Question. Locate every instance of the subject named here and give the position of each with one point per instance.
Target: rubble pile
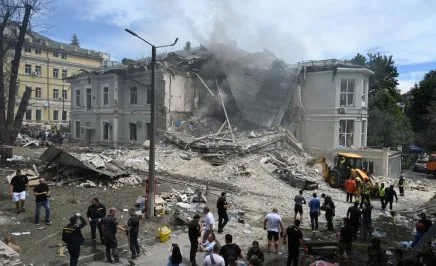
(8, 256)
(26, 141)
(187, 199)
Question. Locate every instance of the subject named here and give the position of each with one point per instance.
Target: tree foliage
(421, 109)
(75, 40)
(387, 125)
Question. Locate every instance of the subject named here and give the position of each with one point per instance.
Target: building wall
(48, 102)
(321, 101)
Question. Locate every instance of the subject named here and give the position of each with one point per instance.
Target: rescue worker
(329, 207)
(401, 184)
(110, 226)
(96, 212)
(72, 236)
(350, 188)
(390, 194)
(382, 195)
(374, 190)
(376, 254)
(366, 192)
(194, 232)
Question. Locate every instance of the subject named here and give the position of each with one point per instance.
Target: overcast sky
(293, 30)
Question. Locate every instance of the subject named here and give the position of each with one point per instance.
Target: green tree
(387, 125)
(75, 40)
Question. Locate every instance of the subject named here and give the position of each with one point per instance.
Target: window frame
(38, 71)
(38, 51)
(27, 49)
(64, 56)
(88, 101)
(28, 117)
(55, 94)
(56, 115)
(64, 115)
(55, 54)
(38, 92)
(64, 94)
(40, 114)
(56, 71)
(346, 94)
(105, 96)
(64, 73)
(344, 134)
(105, 130)
(77, 129)
(77, 96)
(28, 69)
(133, 134)
(133, 95)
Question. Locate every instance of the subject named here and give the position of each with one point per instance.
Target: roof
(332, 64)
(350, 155)
(63, 47)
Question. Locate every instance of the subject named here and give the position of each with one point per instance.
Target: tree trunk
(2, 80)
(14, 73)
(19, 116)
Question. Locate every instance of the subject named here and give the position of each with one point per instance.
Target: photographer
(72, 236)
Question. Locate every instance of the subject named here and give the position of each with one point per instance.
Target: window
(27, 88)
(64, 115)
(77, 129)
(148, 96)
(38, 71)
(55, 54)
(28, 69)
(64, 94)
(369, 166)
(364, 91)
(77, 97)
(132, 127)
(28, 114)
(88, 99)
(38, 93)
(55, 72)
(27, 49)
(363, 134)
(55, 94)
(105, 130)
(64, 56)
(105, 96)
(38, 115)
(64, 73)
(346, 132)
(347, 92)
(37, 51)
(55, 115)
(133, 95)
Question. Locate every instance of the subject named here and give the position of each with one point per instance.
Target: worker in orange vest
(350, 188)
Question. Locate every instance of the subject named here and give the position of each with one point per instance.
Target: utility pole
(151, 161)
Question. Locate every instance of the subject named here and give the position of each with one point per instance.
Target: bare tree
(15, 17)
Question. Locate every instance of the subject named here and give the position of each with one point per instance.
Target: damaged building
(323, 104)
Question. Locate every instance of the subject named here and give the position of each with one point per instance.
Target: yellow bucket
(164, 233)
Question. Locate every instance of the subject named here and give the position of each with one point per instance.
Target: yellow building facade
(44, 66)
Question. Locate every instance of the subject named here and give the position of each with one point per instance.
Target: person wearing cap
(222, 206)
(401, 184)
(194, 232)
(72, 236)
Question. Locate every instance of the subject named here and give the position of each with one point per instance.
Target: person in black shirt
(42, 193)
(222, 206)
(17, 190)
(354, 214)
(72, 236)
(194, 232)
(295, 236)
(329, 207)
(230, 249)
(110, 226)
(255, 252)
(345, 242)
(390, 194)
(132, 232)
(96, 212)
(366, 221)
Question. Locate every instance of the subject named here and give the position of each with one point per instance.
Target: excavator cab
(346, 164)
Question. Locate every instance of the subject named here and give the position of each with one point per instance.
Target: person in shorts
(18, 188)
(299, 201)
(274, 227)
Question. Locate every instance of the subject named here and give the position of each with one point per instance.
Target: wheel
(333, 179)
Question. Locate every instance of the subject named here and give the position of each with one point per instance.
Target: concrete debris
(8, 256)
(146, 144)
(26, 141)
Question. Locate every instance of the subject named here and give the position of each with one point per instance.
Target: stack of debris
(188, 199)
(26, 141)
(8, 256)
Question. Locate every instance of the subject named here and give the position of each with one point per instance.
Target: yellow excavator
(345, 165)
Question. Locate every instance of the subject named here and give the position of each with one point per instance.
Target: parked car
(420, 165)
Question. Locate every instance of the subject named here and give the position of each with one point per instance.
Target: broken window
(77, 129)
(133, 135)
(77, 97)
(55, 115)
(88, 99)
(105, 130)
(38, 115)
(28, 69)
(28, 114)
(363, 134)
(347, 93)
(133, 95)
(38, 93)
(346, 132)
(105, 96)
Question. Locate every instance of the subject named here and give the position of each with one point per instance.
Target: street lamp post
(151, 161)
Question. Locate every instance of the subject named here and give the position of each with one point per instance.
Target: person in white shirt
(214, 259)
(209, 244)
(273, 225)
(209, 221)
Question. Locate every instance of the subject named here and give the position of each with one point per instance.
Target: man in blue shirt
(314, 205)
